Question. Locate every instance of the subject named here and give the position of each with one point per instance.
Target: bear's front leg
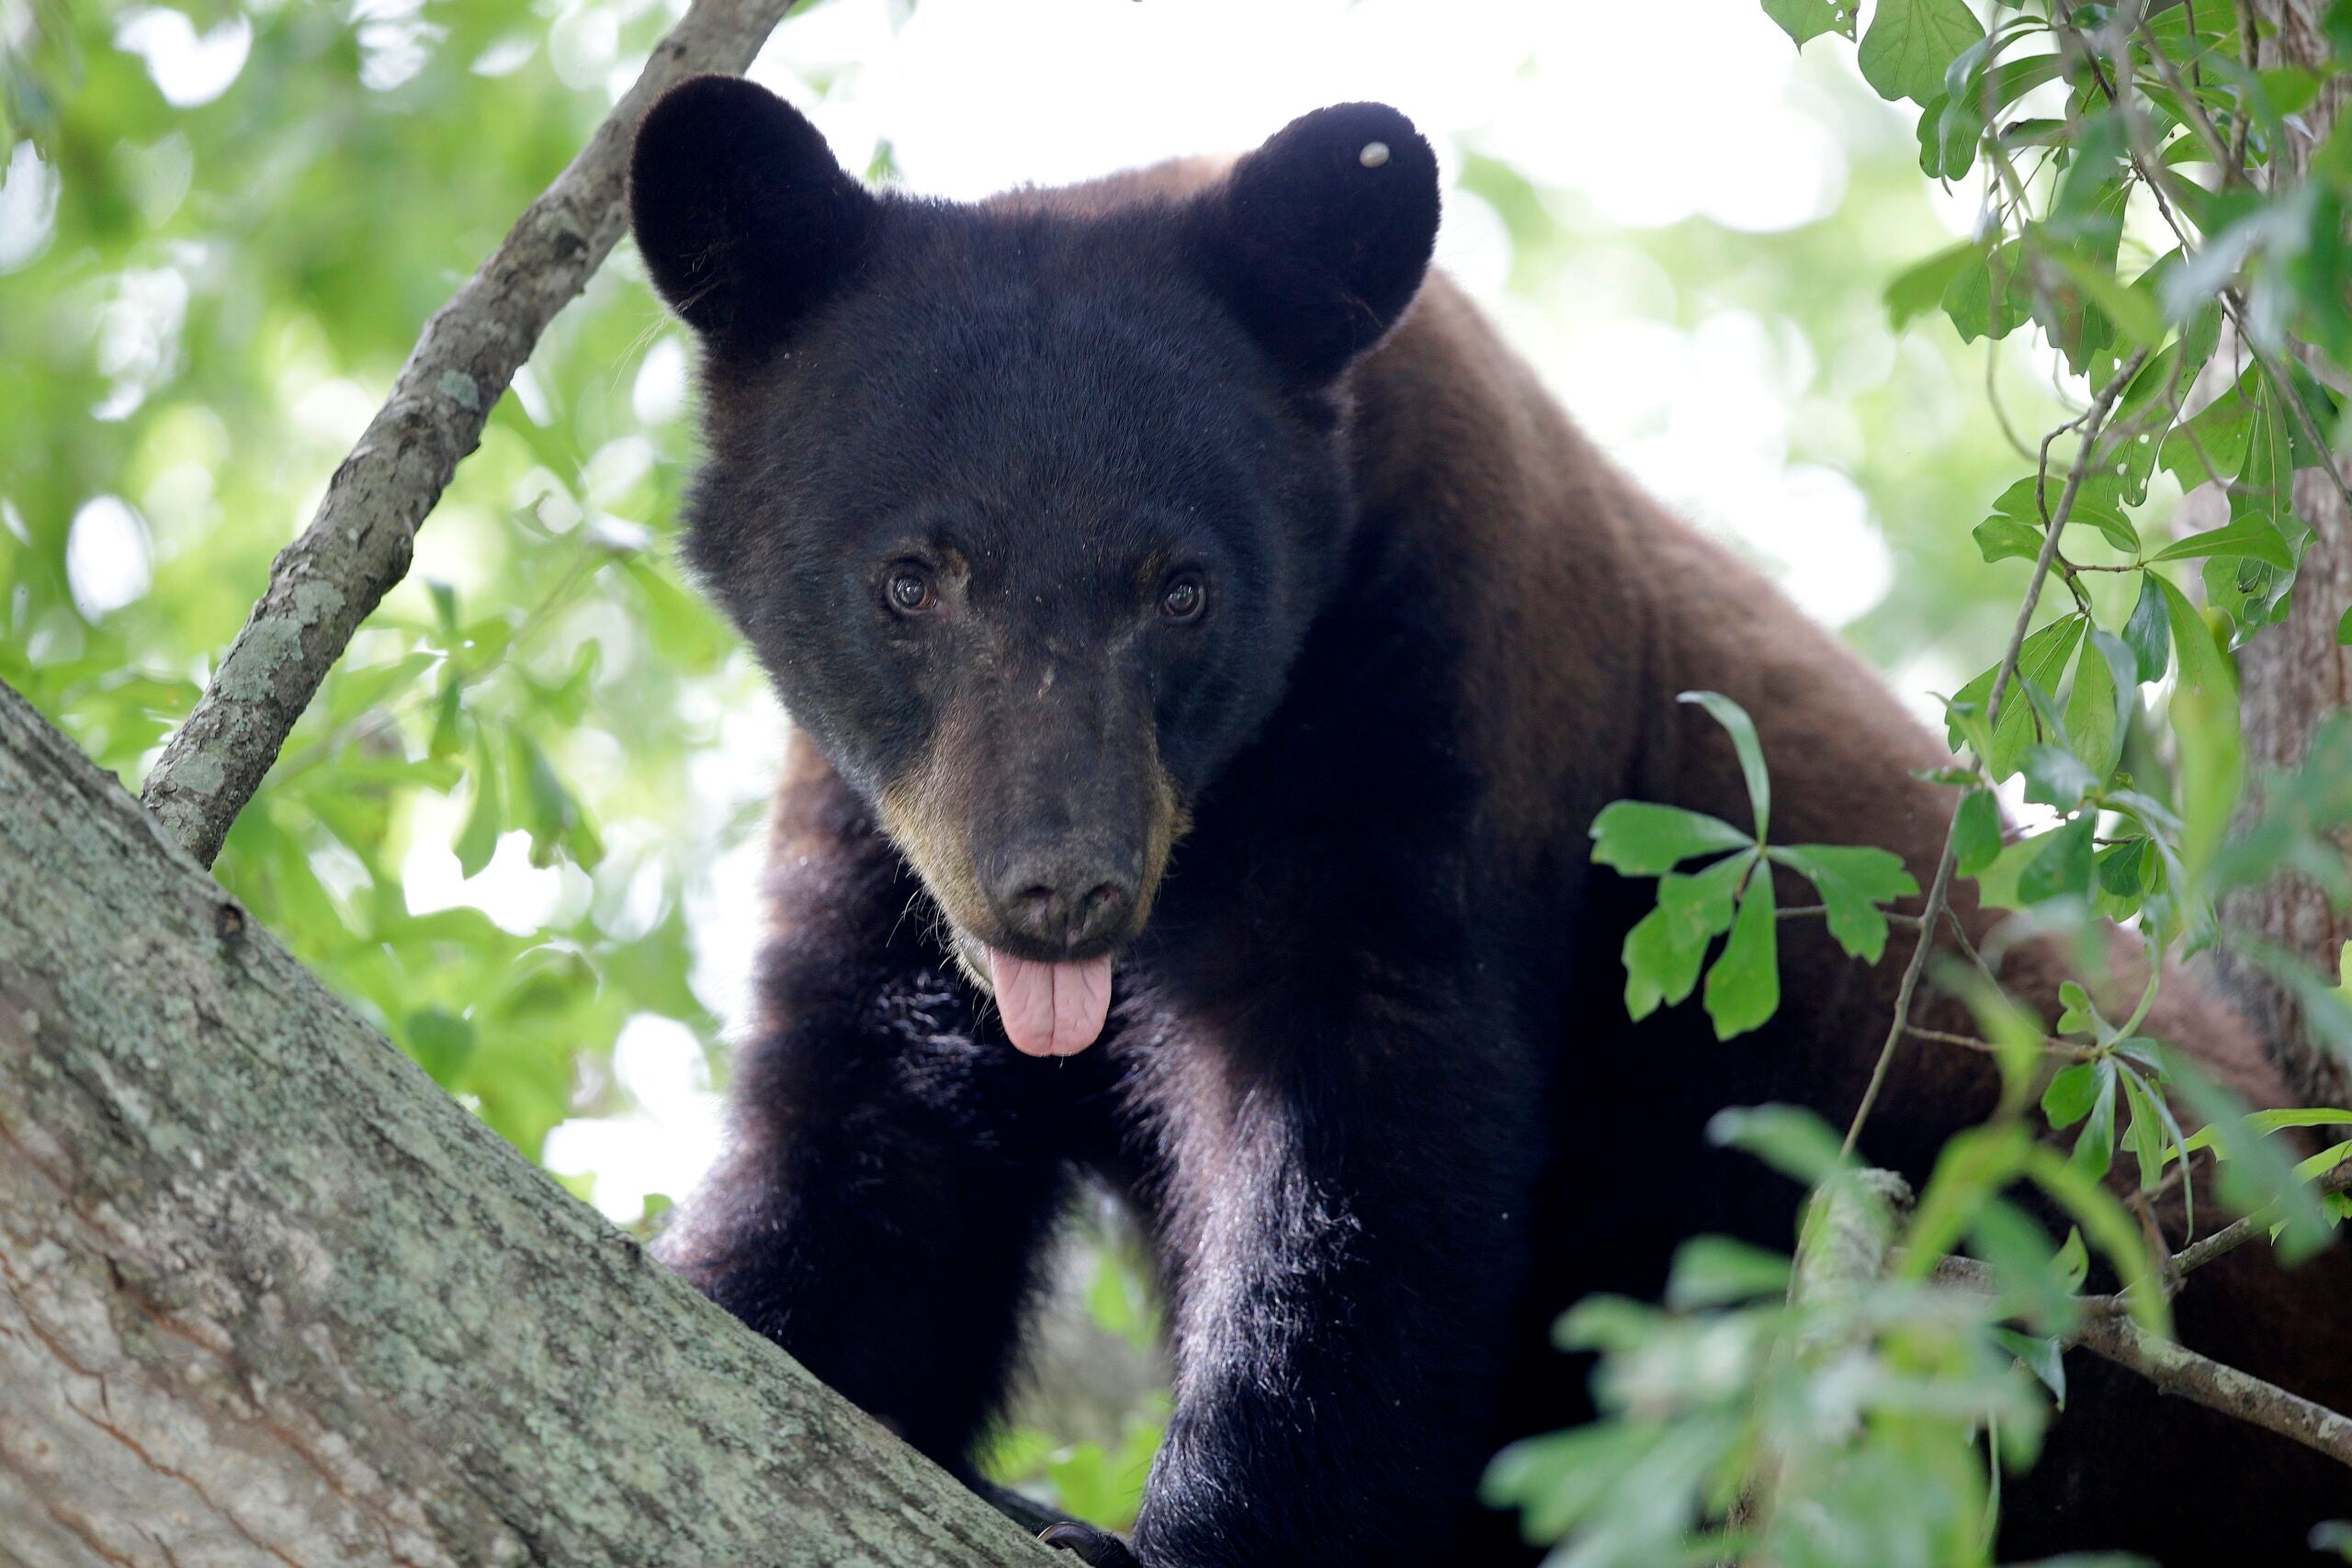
(893, 1166)
(1095, 1548)
(1344, 1213)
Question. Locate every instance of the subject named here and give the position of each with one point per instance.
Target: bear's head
(1028, 506)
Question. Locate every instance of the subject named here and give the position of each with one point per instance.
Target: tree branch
(2113, 1337)
(359, 542)
(2178, 1369)
(2232, 1236)
(268, 1295)
(2053, 524)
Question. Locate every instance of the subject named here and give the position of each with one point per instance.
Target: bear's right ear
(743, 215)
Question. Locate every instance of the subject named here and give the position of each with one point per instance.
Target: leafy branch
(1663, 952)
(359, 543)
(2191, 364)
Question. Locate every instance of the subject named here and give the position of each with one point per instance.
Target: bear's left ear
(1320, 238)
(742, 213)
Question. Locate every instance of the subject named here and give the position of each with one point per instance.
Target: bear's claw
(1097, 1549)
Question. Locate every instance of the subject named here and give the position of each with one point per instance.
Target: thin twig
(358, 542)
(1939, 887)
(2229, 1237)
(2050, 1044)
(1796, 911)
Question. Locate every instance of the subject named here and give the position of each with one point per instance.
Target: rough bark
(359, 542)
(271, 1297)
(2294, 675)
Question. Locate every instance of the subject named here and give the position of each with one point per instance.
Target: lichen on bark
(268, 1295)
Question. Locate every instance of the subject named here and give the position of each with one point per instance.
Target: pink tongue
(1050, 1009)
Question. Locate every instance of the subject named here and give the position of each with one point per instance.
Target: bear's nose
(1066, 896)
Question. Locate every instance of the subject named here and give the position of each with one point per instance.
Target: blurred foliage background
(520, 829)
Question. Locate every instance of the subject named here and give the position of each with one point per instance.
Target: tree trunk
(2294, 675)
(271, 1297)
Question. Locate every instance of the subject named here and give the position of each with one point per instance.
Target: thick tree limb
(269, 1296)
(358, 544)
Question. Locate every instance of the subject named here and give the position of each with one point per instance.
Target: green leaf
(2106, 691)
(355, 690)
(2343, 629)
(478, 840)
(1715, 1270)
(2018, 1251)
(444, 606)
(1733, 717)
(2260, 1171)
(2008, 80)
(2290, 88)
(1950, 131)
(446, 741)
(1744, 987)
(2041, 660)
(2073, 1264)
(2062, 863)
(2213, 445)
(1920, 287)
(2253, 536)
(1666, 946)
(1988, 298)
(1660, 969)
(2134, 315)
(2148, 633)
(2103, 1215)
(1911, 43)
(1804, 20)
(1854, 879)
(2095, 1149)
(2006, 538)
(1977, 835)
(2039, 1354)
(557, 824)
(1791, 1139)
(2073, 1090)
(2098, 505)
(441, 1043)
(1996, 885)
(2055, 776)
(2081, 1014)
(2205, 721)
(1639, 838)
(1663, 952)
(2144, 1134)
(1699, 904)
(2120, 868)
(2300, 1116)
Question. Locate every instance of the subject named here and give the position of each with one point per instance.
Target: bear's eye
(909, 590)
(1183, 599)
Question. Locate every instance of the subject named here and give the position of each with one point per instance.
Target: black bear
(1209, 647)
